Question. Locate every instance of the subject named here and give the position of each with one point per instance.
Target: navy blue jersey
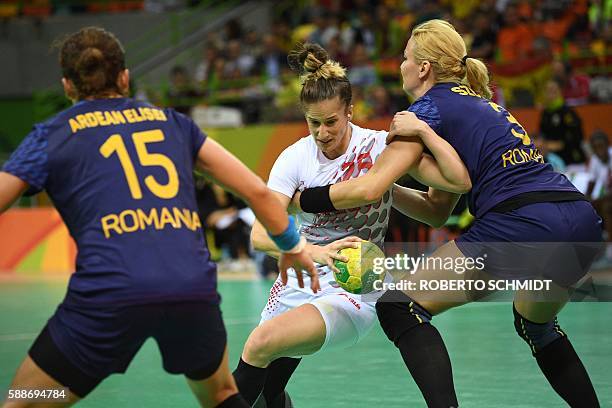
(120, 172)
(498, 153)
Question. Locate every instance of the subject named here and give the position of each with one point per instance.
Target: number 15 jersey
(120, 173)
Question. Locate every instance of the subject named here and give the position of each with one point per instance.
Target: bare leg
(298, 332)
(215, 389)
(30, 376)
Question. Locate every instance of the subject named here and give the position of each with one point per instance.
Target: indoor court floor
(493, 367)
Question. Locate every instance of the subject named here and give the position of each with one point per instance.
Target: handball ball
(357, 275)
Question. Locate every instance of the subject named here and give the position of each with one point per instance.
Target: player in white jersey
(296, 322)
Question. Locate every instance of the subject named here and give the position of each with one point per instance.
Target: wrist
(299, 247)
(288, 239)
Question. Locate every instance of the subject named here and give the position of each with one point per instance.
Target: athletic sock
(235, 401)
(250, 380)
(279, 373)
(425, 355)
(566, 374)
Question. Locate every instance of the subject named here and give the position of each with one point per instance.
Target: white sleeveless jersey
(302, 165)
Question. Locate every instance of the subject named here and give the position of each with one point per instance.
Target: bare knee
(260, 348)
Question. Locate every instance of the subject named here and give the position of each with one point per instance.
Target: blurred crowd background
(551, 55)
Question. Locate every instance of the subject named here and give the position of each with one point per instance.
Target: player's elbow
(464, 186)
(368, 193)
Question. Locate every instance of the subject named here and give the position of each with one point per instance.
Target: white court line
(31, 336)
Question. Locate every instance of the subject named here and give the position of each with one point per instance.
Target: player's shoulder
(303, 147)
(369, 133)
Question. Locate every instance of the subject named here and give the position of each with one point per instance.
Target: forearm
(262, 242)
(267, 208)
(394, 162)
(447, 171)
(432, 207)
(355, 192)
(428, 172)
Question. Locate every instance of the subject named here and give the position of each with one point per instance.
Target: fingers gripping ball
(357, 275)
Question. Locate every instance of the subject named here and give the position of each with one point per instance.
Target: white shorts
(347, 318)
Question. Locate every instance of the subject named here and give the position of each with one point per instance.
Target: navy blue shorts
(93, 343)
(557, 241)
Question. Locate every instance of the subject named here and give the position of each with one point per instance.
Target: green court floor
(492, 366)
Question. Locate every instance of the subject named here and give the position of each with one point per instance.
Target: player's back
(120, 174)
(497, 151)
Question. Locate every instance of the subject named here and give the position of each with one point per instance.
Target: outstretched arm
(432, 207)
(445, 171)
(321, 254)
(230, 172)
(11, 188)
(395, 161)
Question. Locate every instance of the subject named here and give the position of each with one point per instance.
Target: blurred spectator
(252, 43)
(232, 31)
(515, 38)
(574, 87)
(364, 34)
(271, 62)
(561, 126)
(484, 37)
(362, 110)
(223, 213)
(182, 94)
(237, 64)
(206, 68)
(599, 166)
(334, 49)
(600, 14)
(362, 72)
(549, 157)
(326, 27)
(380, 102)
(599, 189)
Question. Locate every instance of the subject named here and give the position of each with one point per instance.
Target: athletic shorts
(81, 347)
(347, 318)
(557, 241)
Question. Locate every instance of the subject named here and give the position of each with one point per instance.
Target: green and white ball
(357, 275)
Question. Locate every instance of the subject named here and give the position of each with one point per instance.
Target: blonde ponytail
(438, 42)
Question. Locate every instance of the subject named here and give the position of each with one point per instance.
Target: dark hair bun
(308, 57)
(90, 60)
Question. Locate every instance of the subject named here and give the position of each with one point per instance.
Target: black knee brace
(537, 335)
(398, 313)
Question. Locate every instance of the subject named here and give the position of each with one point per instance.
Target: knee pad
(537, 335)
(398, 313)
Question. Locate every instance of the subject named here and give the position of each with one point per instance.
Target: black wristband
(316, 200)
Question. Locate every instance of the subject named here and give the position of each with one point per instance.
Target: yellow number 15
(115, 144)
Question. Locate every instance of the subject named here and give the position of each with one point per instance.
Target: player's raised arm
(445, 171)
(395, 161)
(431, 207)
(11, 188)
(230, 172)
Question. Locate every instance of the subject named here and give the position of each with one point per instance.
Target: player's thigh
(541, 306)
(217, 388)
(347, 318)
(31, 377)
(297, 332)
(440, 284)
